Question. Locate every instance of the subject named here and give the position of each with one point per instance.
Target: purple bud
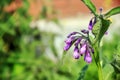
(88, 57)
(67, 46)
(73, 33)
(90, 25)
(106, 33)
(92, 50)
(78, 41)
(101, 9)
(76, 54)
(83, 48)
(69, 40)
(85, 31)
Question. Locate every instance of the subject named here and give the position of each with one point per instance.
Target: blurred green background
(33, 53)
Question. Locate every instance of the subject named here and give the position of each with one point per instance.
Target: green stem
(97, 60)
(100, 75)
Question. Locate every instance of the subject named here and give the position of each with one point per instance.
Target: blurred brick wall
(116, 3)
(66, 8)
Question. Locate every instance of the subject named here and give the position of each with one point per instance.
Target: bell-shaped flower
(88, 57)
(91, 49)
(67, 46)
(82, 44)
(85, 31)
(91, 23)
(76, 53)
(78, 41)
(90, 26)
(83, 48)
(71, 34)
(69, 40)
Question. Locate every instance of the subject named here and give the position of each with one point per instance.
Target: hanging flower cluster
(82, 46)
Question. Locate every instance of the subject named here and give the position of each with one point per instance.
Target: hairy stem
(97, 60)
(100, 75)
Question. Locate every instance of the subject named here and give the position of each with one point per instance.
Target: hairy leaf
(82, 73)
(107, 72)
(100, 28)
(113, 11)
(90, 5)
(96, 28)
(116, 63)
(104, 27)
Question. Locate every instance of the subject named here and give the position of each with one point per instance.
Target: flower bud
(76, 54)
(83, 48)
(88, 57)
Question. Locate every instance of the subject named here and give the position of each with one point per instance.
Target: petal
(91, 49)
(88, 57)
(67, 46)
(83, 48)
(85, 31)
(73, 33)
(91, 23)
(90, 26)
(69, 40)
(76, 54)
(101, 9)
(78, 41)
(106, 33)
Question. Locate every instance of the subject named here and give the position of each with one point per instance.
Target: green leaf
(82, 73)
(18, 69)
(63, 56)
(100, 28)
(96, 28)
(107, 72)
(116, 63)
(104, 27)
(113, 11)
(90, 5)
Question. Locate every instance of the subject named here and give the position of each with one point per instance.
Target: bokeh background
(32, 34)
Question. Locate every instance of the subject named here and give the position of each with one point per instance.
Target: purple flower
(69, 40)
(90, 26)
(78, 41)
(88, 57)
(91, 49)
(67, 46)
(76, 54)
(83, 48)
(106, 33)
(100, 9)
(82, 45)
(85, 31)
(73, 33)
(91, 23)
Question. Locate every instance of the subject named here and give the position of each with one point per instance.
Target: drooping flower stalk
(81, 43)
(76, 54)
